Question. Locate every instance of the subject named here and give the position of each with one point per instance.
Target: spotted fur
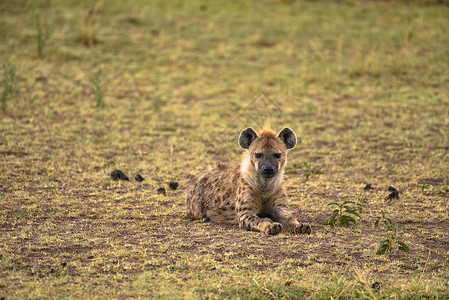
(251, 194)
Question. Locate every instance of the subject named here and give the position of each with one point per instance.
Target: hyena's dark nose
(268, 170)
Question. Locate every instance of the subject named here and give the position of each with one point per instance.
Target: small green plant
(444, 191)
(156, 99)
(424, 187)
(308, 169)
(9, 84)
(97, 89)
(430, 190)
(42, 31)
(391, 241)
(383, 219)
(344, 214)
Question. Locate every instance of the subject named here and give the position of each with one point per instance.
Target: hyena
(251, 194)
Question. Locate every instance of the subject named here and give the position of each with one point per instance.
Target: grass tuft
(97, 89)
(156, 99)
(42, 30)
(9, 83)
(87, 34)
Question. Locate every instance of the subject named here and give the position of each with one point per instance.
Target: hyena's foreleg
(284, 215)
(247, 210)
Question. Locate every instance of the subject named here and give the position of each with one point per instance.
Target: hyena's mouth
(268, 175)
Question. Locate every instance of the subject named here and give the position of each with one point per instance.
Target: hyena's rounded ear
(247, 136)
(288, 137)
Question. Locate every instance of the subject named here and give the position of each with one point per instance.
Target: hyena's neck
(265, 187)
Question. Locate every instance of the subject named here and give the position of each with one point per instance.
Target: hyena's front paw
(272, 228)
(302, 228)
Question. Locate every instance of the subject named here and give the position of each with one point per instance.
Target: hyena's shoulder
(220, 177)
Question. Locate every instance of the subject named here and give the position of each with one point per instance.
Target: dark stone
(132, 20)
(161, 190)
(173, 185)
(368, 187)
(392, 189)
(119, 175)
(394, 193)
(377, 285)
(41, 78)
(139, 178)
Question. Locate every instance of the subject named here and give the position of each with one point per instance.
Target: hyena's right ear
(247, 136)
(288, 136)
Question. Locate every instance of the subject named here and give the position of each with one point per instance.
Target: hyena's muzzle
(268, 168)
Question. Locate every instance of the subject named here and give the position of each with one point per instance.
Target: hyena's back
(212, 194)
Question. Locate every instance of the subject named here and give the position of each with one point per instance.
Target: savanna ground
(162, 88)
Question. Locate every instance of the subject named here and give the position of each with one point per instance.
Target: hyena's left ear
(288, 137)
(247, 136)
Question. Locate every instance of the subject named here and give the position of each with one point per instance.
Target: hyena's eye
(258, 155)
(277, 155)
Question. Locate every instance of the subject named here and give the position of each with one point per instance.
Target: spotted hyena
(252, 193)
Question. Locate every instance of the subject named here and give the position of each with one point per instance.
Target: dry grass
(364, 85)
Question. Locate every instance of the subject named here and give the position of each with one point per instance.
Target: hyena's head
(266, 150)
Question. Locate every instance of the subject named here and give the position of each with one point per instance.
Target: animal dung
(119, 175)
(394, 193)
(376, 285)
(139, 178)
(173, 185)
(161, 190)
(368, 187)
